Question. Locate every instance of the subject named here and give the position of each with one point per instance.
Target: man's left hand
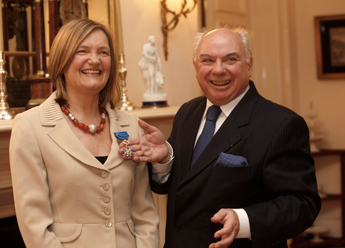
(231, 227)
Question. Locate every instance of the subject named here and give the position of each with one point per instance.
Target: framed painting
(330, 46)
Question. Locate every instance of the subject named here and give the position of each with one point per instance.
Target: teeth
(220, 83)
(91, 72)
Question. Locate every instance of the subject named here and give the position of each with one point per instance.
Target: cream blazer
(64, 197)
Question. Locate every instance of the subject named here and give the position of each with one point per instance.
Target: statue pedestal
(155, 100)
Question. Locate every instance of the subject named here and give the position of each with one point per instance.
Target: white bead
(71, 116)
(92, 128)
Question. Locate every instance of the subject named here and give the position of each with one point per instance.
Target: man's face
(221, 67)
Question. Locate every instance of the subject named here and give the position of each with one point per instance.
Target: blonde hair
(65, 44)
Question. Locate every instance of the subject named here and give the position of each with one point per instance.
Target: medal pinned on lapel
(128, 152)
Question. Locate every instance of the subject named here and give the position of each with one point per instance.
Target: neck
(84, 104)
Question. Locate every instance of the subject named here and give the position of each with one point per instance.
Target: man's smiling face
(221, 67)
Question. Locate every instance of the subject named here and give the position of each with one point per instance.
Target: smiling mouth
(98, 72)
(220, 83)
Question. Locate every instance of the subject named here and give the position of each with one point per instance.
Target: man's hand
(231, 227)
(150, 147)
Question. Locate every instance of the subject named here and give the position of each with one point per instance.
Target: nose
(94, 59)
(218, 68)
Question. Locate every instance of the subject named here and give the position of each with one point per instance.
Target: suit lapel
(226, 137)
(63, 136)
(190, 131)
(118, 124)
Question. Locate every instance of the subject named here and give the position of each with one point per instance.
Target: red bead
(66, 111)
(82, 126)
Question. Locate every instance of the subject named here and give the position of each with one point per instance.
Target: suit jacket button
(106, 199)
(106, 186)
(107, 211)
(104, 174)
(108, 223)
(177, 227)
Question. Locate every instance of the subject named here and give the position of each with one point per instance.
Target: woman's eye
(105, 53)
(81, 51)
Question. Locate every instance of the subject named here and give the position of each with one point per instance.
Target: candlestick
(4, 113)
(116, 24)
(119, 26)
(1, 31)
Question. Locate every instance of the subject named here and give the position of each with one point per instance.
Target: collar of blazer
(228, 134)
(60, 132)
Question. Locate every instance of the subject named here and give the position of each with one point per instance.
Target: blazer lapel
(63, 136)
(60, 132)
(227, 136)
(118, 124)
(189, 134)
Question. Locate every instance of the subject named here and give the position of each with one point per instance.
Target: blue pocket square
(229, 160)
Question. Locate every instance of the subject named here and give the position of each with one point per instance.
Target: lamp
(170, 25)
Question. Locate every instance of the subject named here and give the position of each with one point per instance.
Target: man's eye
(207, 61)
(231, 60)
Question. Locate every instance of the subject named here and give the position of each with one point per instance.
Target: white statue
(150, 64)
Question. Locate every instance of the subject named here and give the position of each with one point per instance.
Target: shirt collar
(229, 107)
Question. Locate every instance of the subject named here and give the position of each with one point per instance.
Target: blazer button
(177, 227)
(106, 199)
(108, 223)
(104, 174)
(106, 186)
(107, 211)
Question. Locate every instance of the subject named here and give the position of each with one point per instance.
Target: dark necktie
(207, 132)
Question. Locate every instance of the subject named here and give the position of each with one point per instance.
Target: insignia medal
(128, 152)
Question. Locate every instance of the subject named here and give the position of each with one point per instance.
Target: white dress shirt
(161, 172)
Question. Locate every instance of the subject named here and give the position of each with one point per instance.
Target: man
(254, 184)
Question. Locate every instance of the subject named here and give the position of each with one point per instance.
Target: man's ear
(250, 66)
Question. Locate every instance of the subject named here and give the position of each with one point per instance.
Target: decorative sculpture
(150, 65)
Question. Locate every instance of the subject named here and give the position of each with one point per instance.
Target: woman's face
(90, 67)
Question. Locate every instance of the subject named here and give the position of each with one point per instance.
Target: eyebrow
(206, 55)
(86, 46)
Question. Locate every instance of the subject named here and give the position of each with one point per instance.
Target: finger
(147, 127)
(224, 243)
(226, 230)
(219, 216)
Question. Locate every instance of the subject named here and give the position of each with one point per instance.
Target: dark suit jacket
(277, 187)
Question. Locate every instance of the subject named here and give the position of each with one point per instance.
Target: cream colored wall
(327, 95)
(140, 19)
(328, 101)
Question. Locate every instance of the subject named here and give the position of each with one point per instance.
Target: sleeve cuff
(244, 232)
(161, 172)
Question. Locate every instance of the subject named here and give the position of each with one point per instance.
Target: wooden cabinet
(330, 172)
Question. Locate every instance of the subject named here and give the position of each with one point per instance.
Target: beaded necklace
(91, 128)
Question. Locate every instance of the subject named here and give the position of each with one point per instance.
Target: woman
(71, 186)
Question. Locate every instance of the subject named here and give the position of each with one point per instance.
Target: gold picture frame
(330, 46)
